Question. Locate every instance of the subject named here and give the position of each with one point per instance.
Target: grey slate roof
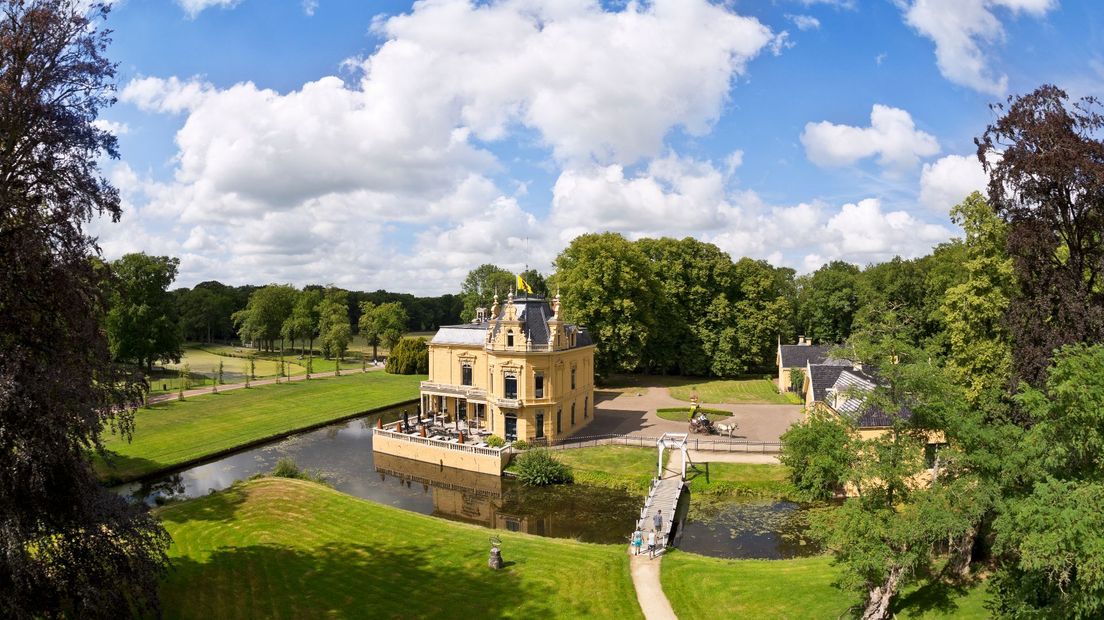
(533, 312)
(823, 377)
(850, 385)
(799, 355)
(470, 333)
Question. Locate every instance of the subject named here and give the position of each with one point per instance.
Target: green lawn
(276, 548)
(633, 468)
(701, 587)
(174, 433)
(682, 414)
(744, 390)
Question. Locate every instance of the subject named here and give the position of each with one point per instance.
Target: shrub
(538, 468)
(409, 357)
(495, 441)
(286, 468)
(521, 445)
(797, 380)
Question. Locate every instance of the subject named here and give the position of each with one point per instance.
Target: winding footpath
(649, 590)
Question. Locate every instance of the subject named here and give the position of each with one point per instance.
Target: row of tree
(148, 323)
(1011, 385)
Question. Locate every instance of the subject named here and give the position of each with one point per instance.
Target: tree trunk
(962, 551)
(880, 597)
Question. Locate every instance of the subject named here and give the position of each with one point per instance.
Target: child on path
(637, 540)
(651, 544)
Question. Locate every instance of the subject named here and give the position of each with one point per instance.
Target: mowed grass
(717, 391)
(632, 469)
(178, 432)
(205, 359)
(701, 587)
(276, 548)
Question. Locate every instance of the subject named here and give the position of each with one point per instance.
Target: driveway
(624, 413)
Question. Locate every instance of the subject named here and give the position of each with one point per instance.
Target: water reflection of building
(462, 495)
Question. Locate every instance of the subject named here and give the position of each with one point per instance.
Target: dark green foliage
(820, 454)
(609, 286)
(797, 380)
(480, 287)
(142, 324)
(287, 468)
(334, 330)
(262, 319)
(382, 324)
(538, 468)
(1051, 534)
(409, 357)
(205, 310)
(68, 546)
(828, 300)
(520, 445)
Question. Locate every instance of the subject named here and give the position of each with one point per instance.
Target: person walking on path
(651, 544)
(637, 540)
(657, 521)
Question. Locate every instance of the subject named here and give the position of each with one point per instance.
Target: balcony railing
(437, 443)
(466, 391)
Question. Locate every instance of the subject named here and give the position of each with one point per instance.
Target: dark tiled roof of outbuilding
(799, 355)
(823, 377)
(851, 385)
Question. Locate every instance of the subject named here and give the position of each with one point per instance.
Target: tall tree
(979, 353)
(1050, 537)
(334, 329)
(68, 546)
(536, 281)
(262, 319)
(1045, 159)
(481, 285)
(302, 324)
(142, 323)
(382, 324)
(828, 300)
(609, 287)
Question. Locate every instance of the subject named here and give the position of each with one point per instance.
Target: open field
(278, 548)
(171, 434)
(701, 587)
(361, 348)
(736, 391)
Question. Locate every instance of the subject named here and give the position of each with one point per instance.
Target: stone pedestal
(495, 561)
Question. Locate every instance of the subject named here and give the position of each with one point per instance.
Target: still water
(342, 454)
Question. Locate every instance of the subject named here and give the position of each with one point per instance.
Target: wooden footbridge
(666, 491)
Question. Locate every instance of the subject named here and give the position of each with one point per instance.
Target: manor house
(518, 372)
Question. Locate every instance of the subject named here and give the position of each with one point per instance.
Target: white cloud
(195, 7)
(862, 232)
(311, 185)
(892, 136)
(962, 29)
(171, 96)
(309, 7)
(945, 182)
(114, 127)
(804, 22)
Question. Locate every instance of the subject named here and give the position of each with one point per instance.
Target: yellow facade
(498, 375)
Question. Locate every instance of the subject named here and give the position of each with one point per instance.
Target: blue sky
(397, 145)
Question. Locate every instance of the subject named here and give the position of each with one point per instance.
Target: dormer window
(510, 339)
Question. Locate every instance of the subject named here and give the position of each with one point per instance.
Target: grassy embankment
(701, 587)
(632, 469)
(278, 548)
(174, 433)
(750, 390)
